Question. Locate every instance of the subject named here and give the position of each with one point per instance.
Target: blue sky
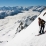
(22, 2)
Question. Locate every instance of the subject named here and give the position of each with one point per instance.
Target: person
(42, 25)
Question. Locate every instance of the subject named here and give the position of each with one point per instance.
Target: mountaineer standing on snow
(42, 25)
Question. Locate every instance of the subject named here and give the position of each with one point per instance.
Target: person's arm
(39, 23)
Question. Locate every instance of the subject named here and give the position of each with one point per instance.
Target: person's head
(39, 18)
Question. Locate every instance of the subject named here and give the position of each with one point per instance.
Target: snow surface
(9, 24)
(27, 36)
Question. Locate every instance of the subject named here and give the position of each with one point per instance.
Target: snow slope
(9, 24)
(27, 36)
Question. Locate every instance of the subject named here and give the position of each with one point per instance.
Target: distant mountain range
(20, 8)
(10, 11)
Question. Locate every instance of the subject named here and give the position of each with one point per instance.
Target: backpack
(42, 22)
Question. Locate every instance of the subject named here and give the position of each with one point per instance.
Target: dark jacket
(41, 22)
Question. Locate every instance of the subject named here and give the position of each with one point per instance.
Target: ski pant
(42, 29)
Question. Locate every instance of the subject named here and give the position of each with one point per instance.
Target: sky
(22, 2)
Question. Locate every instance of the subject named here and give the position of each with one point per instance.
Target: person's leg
(43, 29)
(40, 30)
